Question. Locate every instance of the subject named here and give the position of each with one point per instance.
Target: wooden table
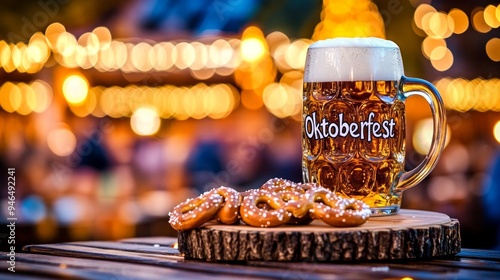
(156, 258)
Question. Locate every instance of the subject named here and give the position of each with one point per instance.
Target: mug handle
(415, 86)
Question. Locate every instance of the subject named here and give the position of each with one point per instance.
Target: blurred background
(112, 112)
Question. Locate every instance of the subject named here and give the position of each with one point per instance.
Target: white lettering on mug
(319, 129)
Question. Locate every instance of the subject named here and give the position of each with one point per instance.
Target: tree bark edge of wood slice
(402, 236)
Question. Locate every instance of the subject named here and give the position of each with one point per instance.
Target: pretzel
(291, 192)
(337, 211)
(229, 211)
(297, 206)
(308, 186)
(221, 203)
(262, 208)
(277, 202)
(194, 212)
(280, 185)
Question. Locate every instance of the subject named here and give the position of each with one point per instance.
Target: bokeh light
(25, 98)
(72, 208)
(493, 49)
(185, 55)
(349, 19)
(252, 49)
(220, 53)
(33, 209)
(87, 107)
(43, 96)
(478, 21)
(456, 159)
(145, 121)
(463, 95)
(422, 136)
(52, 33)
(447, 188)
(496, 131)
(201, 56)
(5, 92)
(28, 99)
(440, 25)
(429, 44)
(441, 58)
(66, 44)
(204, 60)
(420, 12)
(215, 101)
(61, 140)
(75, 89)
(460, 20)
(17, 55)
(490, 16)
(284, 99)
(15, 97)
(104, 37)
(275, 97)
(253, 46)
(155, 203)
(139, 57)
(251, 100)
(295, 54)
(7, 58)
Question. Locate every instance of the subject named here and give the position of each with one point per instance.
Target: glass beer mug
(353, 121)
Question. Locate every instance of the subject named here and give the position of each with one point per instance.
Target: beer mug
(353, 121)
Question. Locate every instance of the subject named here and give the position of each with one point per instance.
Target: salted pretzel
(308, 186)
(194, 212)
(337, 211)
(262, 208)
(297, 206)
(222, 203)
(283, 185)
(277, 202)
(229, 211)
(279, 185)
(291, 192)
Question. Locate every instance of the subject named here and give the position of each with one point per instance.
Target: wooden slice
(410, 234)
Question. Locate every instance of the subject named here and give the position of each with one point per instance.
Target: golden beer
(353, 121)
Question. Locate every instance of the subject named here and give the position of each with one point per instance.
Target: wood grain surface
(157, 258)
(410, 234)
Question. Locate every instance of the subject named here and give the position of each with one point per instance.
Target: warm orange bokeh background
(113, 118)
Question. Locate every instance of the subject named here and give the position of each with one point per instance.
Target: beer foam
(353, 59)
